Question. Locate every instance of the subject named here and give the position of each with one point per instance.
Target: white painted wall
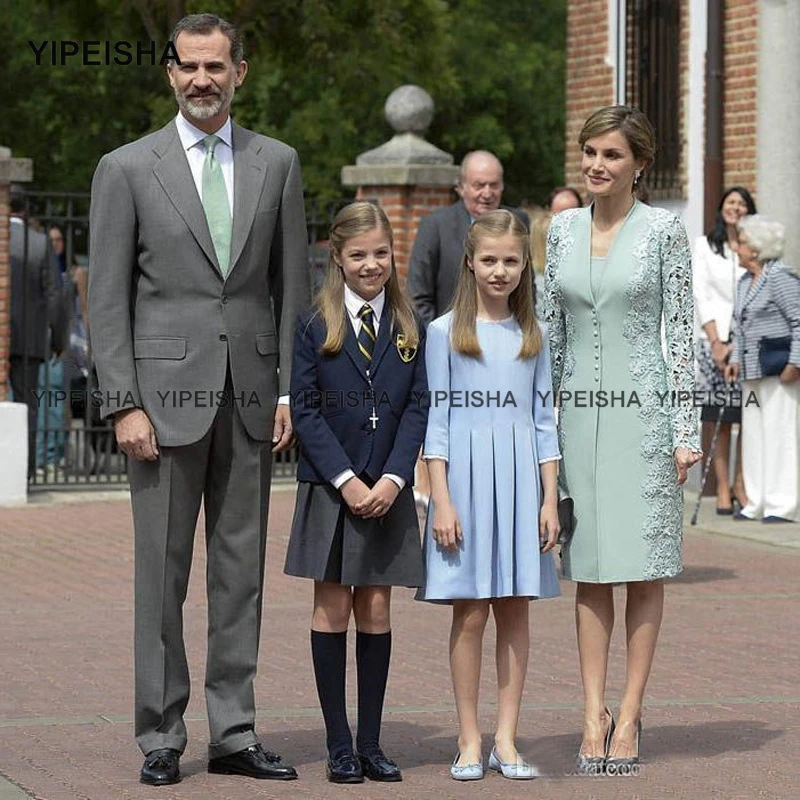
(615, 57)
(14, 447)
(778, 127)
(691, 209)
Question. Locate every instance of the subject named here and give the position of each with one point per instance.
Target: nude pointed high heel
(626, 766)
(595, 765)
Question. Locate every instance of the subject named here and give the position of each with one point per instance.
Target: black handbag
(566, 519)
(773, 354)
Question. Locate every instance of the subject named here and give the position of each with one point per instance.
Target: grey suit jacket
(164, 321)
(769, 309)
(436, 258)
(39, 287)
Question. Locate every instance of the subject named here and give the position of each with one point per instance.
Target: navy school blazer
(331, 404)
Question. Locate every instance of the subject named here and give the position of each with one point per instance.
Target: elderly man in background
(766, 357)
(439, 246)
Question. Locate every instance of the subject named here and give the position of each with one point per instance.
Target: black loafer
(772, 520)
(253, 762)
(344, 769)
(377, 767)
(161, 767)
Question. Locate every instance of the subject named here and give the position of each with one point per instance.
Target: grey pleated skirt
(329, 543)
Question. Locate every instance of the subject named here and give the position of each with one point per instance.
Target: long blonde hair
(464, 336)
(353, 220)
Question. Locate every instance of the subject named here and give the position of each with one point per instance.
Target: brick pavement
(723, 717)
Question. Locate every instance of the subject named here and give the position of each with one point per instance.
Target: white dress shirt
(353, 303)
(192, 141)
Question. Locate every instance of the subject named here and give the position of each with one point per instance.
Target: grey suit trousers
(230, 473)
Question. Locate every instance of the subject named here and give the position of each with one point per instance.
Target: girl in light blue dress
(491, 448)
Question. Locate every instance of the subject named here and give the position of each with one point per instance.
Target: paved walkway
(723, 717)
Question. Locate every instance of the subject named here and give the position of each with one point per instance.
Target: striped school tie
(366, 336)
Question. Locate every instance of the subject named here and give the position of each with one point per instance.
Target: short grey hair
(764, 235)
(478, 154)
(204, 24)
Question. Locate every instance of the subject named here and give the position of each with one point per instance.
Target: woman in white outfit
(716, 270)
(766, 356)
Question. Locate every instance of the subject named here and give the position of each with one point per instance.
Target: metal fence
(74, 447)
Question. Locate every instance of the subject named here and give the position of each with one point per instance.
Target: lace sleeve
(676, 279)
(553, 312)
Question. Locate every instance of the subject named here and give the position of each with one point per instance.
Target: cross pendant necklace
(374, 418)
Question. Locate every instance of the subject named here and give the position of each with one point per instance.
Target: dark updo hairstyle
(718, 235)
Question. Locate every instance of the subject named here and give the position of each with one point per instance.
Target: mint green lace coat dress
(605, 337)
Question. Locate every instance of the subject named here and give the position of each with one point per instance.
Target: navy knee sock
(329, 654)
(373, 652)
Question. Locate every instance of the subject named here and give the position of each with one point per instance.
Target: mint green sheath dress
(626, 398)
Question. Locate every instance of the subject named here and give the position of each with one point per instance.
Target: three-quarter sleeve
(544, 418)
(678, 309)
(437, 362)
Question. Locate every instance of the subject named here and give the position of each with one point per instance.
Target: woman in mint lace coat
(615, 272)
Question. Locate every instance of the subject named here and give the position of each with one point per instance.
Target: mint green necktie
(215, 204)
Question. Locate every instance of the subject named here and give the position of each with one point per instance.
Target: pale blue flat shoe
(467, 772)
(518, 771)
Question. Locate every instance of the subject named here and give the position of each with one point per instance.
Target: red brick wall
(406, 206)
(590, 81)
(740, 69)
(5, 291)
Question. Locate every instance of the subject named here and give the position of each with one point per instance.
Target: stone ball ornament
(409, 109)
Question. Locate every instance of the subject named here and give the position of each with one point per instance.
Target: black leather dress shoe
(344, 769)
(377, 767)
(254, 762)
(161, 768)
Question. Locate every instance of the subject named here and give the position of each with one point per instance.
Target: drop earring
(637, 177)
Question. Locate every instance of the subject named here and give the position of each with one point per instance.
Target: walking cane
(707, 467)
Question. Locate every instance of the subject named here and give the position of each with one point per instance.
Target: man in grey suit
(199, 267)
(439, 245)
(35, 313)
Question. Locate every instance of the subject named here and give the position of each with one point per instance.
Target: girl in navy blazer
(359, 396)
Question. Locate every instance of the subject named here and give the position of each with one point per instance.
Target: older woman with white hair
(766, 356)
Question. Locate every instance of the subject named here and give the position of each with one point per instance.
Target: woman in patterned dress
(615, 270)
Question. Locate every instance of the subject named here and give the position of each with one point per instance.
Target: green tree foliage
(320, 71)
(510, 61)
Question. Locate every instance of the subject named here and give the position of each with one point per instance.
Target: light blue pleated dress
(493, 447)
